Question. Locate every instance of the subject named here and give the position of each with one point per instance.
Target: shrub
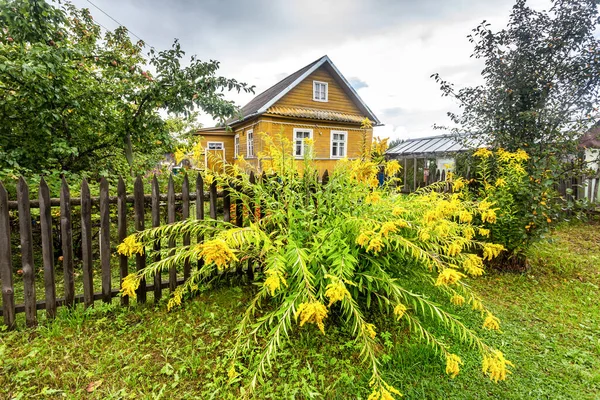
(348, 248)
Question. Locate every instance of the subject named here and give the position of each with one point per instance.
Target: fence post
(86, 244)
(170, 220)
(239, 214)
(155, 224)
(47, 249)
(226, 203)
(140, 259)
(185, 214)
(66, 234)
(8, 292)
(122, 231)
(252, 216)
(213, 199)
(199, 209)
(27, 252)
(325, 178)
(105, 241)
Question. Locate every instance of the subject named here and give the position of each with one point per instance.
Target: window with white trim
(300, 135)
(320, 90)
(339, 140)
(215, 145)
(236, 145)
(250, 144)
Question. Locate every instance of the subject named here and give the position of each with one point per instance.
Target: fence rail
(137, 202)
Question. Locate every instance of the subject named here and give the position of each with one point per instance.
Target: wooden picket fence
(140, 202)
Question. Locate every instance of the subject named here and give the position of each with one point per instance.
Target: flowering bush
(348, 247)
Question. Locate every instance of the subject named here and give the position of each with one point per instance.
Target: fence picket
(66, 234)
(27, 252)
(86, 244)
(213, 200)
(140, 259)
(105, 241)
(185, 214)
(170, 220)
(252, 216)
(156, 223)
(226, 204)
(199, 209)
(8, 291)
(47, 249)
(122, 232)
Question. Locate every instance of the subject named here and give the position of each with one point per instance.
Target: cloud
(357, 83)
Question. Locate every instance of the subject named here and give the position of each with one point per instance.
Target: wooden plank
(140, 259)
(47, 249)
(325, 178)
(263, 204)
(252, 216)
(26, 252)
(122, 232)
(8, 290)
(170, 220)
(105, 240)
(239, 213)
(66, 234)
(199, 210)
(213, 199)
(156, 223)
(226, 204)
(86, 244)
(185, 214)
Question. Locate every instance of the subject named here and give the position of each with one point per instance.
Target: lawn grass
(550, 331)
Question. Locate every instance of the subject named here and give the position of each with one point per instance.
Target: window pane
(298, 148)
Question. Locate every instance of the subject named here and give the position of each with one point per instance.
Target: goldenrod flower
(457, 300)
(483, 153)
(495, 365)
(366, 123)
(492, 323)
(175, 300)
(491, 250)
(130, 246)
(453, 249)
(392, 167)
(217, 251)
(375, 245)
(364, 238)
(313, 313)
(273, 281)
(473, 265)
(232, 373)
(336, 291)
(484, 232)
(458, 184)
(399, 311)
(383, 393)
(387, 228)
(452, 365)
(129, 285)
(309, 142)
(424, 235)
(179, 155)
(468, 232)
(465, 217)
(485, 205)
(449, 276)
(370, 330)
(373, 198)
(489, 216)
(477, 305)
(397, 211)
(500, 182)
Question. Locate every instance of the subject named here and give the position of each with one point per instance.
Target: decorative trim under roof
(312, 113)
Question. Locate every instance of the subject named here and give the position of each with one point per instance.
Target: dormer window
(320, 91)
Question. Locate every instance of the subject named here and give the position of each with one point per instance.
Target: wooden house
(315, 102)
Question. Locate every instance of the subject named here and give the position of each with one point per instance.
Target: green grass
(550, 331)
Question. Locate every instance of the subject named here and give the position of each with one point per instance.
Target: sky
(387, 49)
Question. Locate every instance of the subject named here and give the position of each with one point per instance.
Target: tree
(541, 78)
(72, 99)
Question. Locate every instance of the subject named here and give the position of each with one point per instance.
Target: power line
(120, 24)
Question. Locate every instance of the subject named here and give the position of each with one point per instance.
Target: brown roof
(316, 114)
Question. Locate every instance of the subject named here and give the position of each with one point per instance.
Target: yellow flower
(130, 246)
(336, 291)
(454, 249)
(231, 372)
(521, 155)
(449, 276)
(175, 300)
(129, 285)
(484, 232)
(387, 228)
(399, 311)
(500, 182)
(477, 305)
(483, 153)
(458, 184)
(392, 167)
(313, 313)
(491, 250)
(309, 142)
(364, 238)
(485, 205)
(465, 217)
(492, 323)
(452, 365)
(366, 123)
(217, 251)
(375, 245)
(468, 232)
(424, 235)
(495, 365)
(397, 211)
(383, 393)
(373, 198)
(179, 155)
(489, 216)
(273, 281)
(457, 300)
(370, 330)
(473, 265)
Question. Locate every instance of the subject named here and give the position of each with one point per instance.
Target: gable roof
(261, 103)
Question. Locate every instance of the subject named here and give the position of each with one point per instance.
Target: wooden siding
(302, 95)
(226, 138)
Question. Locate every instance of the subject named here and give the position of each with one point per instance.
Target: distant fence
(139, 200)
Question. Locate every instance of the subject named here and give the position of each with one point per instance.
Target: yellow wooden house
(315, 102)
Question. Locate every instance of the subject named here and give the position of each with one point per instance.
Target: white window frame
(209, 149)
(250, 143)
(219, 143)
(236, 145)
(345, 141)
(315, 83)
(310, 132)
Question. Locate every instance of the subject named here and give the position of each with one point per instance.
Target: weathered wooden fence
(141, 203)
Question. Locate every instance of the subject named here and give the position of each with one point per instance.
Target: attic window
(320, 90)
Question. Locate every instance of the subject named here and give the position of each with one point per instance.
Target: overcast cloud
(386, 48)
